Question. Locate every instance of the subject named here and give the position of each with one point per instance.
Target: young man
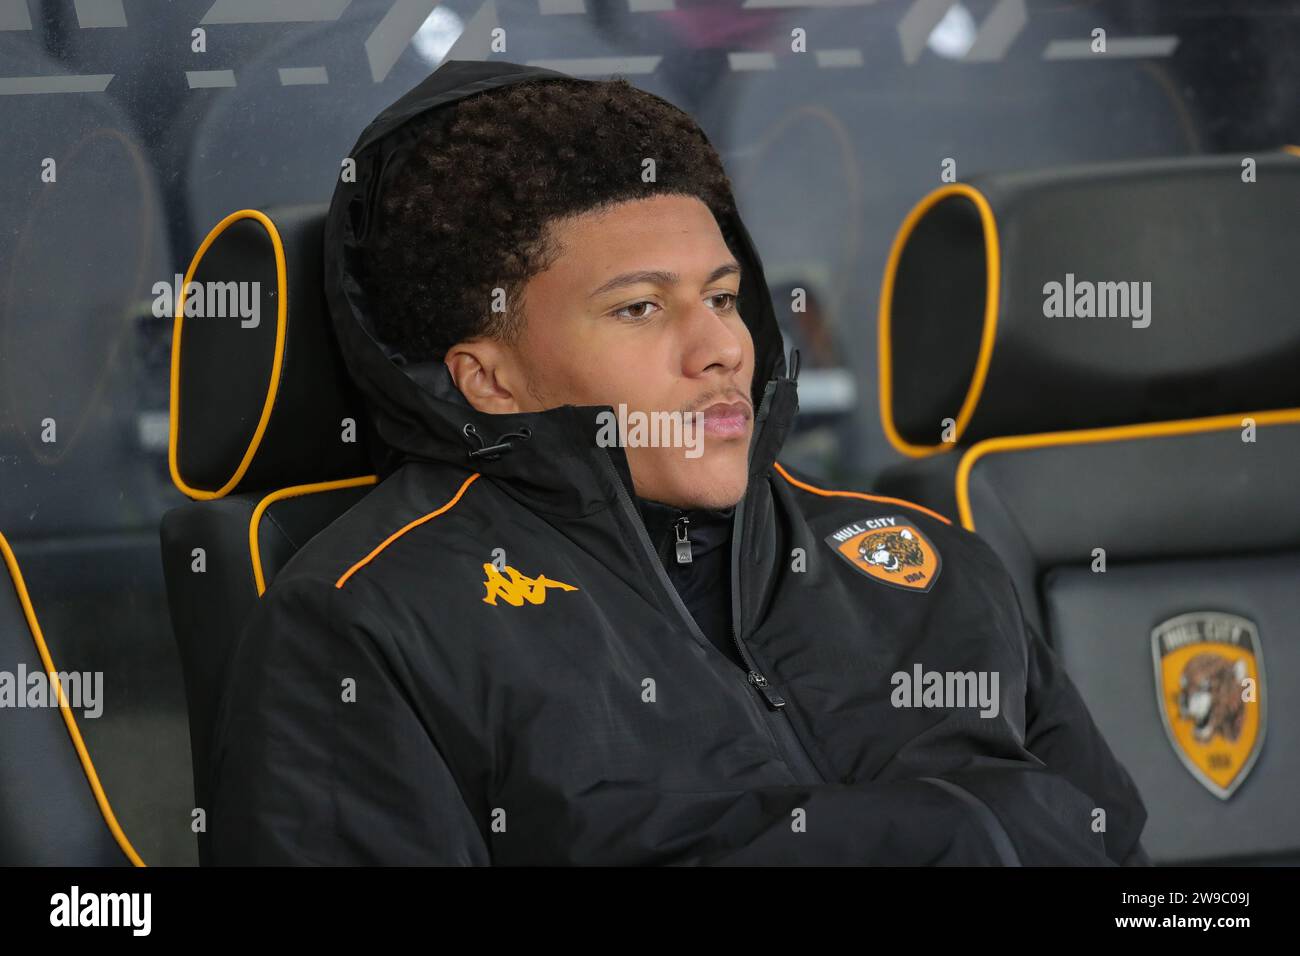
(530, 644)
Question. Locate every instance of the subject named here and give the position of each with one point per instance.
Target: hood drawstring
(493, 452)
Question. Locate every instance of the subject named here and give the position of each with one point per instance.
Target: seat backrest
(1131, 452)
(53, 810)
(1166, 561)
(268, 438)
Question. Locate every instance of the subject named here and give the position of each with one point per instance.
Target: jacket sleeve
(946, 820)
(971, 791)
(1001, 810)
(318, 757)
(993, 813)
(1061, 732)
(965, 790)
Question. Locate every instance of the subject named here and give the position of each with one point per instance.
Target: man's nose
(713, 340)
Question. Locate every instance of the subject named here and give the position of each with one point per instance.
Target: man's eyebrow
(660, 277)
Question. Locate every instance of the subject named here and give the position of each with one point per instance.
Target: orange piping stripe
(992, 280)
(87, 766)
(397, 534)
(855, 494)
(1182, 426)
(1293, 150)
(277, 362)
(295, 491)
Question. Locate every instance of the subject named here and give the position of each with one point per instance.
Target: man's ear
(480, 368)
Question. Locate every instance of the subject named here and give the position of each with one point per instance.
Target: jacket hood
(551, 458)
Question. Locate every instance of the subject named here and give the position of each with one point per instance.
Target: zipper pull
(774, 700)
(683, 542)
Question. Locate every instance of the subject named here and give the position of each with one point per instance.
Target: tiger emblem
(1209, 695)
(892, 551)
(1205, 661)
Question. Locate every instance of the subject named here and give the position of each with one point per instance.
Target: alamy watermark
(83, 690)
(946, 689)
(133, 911)
(1102, 300)
(637, 429)
(218, 300)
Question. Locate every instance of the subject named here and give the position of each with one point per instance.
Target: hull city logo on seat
(1210, 692)
(515, 588)
(890, 550)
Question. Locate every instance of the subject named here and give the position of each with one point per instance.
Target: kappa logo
(515, 588)
(888, 549)
(1210, 691)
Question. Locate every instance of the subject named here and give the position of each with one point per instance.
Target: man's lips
(726, 419)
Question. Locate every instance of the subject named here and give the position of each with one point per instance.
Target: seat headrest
(260, 397)
(1088, 296)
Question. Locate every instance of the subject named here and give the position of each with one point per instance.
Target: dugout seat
(268, 438)
(53, 809)
(1138, 478)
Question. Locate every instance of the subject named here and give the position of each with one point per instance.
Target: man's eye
(634, 305)
(731, 301)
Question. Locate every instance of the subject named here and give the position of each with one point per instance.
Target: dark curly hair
(468, 210)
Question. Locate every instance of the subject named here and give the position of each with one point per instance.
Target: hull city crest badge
(1210, 693)
(890, 550)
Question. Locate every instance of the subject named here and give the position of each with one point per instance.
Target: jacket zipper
(796, 755)
(792, 750)
(683, 540)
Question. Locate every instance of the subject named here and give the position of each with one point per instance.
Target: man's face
(639, 309)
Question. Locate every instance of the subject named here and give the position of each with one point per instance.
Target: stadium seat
(1136, 472)
(268, 439)
(53, 809)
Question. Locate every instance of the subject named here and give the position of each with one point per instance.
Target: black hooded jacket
(489, 659)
